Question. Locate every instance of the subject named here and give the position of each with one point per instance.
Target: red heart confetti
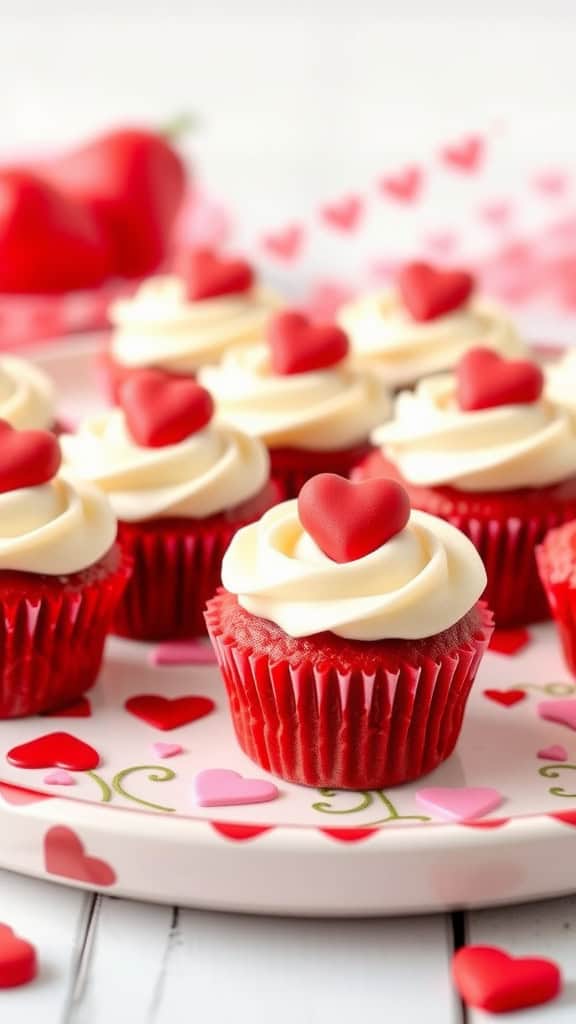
(349, 520)
(209, 275)
(28, 457)
(404, 186)
(464, 155)
(429, 292)
(344, 215)
(486, 380)
(299, 346)
(507, 698)
(18, 963)
(509, 641)
(492, 980)
(165, 713)
(284, 245)
(55, 750)
(64, 855)
(162, 409)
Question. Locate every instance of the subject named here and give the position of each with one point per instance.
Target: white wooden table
(110, 961)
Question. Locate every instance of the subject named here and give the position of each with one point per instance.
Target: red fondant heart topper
(349, 520)
(209, 275)
(162, 409)
(492, 980)
(299, 346)
(28, 458)
(429, 292)
(485, 380)
(18, 963)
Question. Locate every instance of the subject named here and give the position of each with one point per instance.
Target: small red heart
(286, 244)
(28, 457)
(349, 520)
(64, 855)
(298, 346)
(490, 979)
(505, 697)
(55, 750)
(162, 409)
(464, 155)
(344, 214)
(485, 380)
(509, 641)
(404, 186)
(18, 964)
(163, 713)
(209, 275)
(428, 292)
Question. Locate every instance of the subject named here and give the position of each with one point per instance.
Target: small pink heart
(164, 750)
(219, 787)
(460, 803)
(59, 777)
(561, 711)
(555, 752)
(183, 652)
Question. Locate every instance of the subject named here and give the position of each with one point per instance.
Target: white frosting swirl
(26, 395)
(323, 410)
(215, 469)
(279, 573)
(57, 528)
(160, 327)
(384, 335)
(433, 442)
(560, 382)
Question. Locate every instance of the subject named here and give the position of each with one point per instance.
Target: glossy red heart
(505, 697)
(64, 855)
(27, 457)
(299, 346)
(162, 409)
(485, 380)
(165, 713)
(349, 520)
(209, 275)
(490, 979)
(429, 292)
(18, 964)
(55, 750)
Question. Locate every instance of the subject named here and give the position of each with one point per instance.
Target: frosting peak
(26, 395)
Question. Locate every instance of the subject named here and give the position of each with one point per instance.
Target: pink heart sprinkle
(183, 652)
(555, 752)
(460, 803)
(218, 787)
(59, 777)
(164, 750)
(561, 711)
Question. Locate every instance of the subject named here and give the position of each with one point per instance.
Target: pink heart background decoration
(59, 777)
(164, 750)
(219, 787)
(460, 803)
(556, 752)
(561, 711)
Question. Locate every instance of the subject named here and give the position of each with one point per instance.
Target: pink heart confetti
(556, 752)
(460, 803)
(219, 787)
(561, 711)
(284, 245)
(164, 750)
(59, 777)
(552, 183)
(182, 652)
(344, 214)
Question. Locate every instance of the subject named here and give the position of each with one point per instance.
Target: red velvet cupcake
(61, 577)
(556, 558)
(486, 451)
(298, 393)
(180, 486)
(342, 667)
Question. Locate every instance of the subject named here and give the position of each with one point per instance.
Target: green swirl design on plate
(367, 799)
(158, 773)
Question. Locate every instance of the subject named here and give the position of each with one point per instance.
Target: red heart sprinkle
(490, 979)
(349, 520)
(64, 855)
(55, 750)
(18, 964)
(485, 380)
(509, 641)
(28, 457)
(298, 346)
(505, 697)
(163, 713)
(428, 292)
(209, 275)
(162, 409)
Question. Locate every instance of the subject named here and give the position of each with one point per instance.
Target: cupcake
(180, 487)
(61, 576)
(298, 392)
(556, 558)
(343, 668)
(485, 450)
(180, 323)
(424, 325)
(27, 399)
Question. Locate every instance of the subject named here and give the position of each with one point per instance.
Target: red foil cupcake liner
(292, 467)
(556, 559)
(355, 722)
(52, 633)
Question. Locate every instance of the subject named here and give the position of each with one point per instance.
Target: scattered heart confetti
(80, 709)
(182, 652)
(497, 213)
(441, 243)
(325, 298)
(18, 962)
(344, 215)
(553, 184)
(164, 750)
(404, 186)
(465, 155)
(509, 641)
(219, 787)
(556, 752)
(59, 777)
(64, 855)
(507, 698)
(163, 713)
(55, 750)
(561, 711)
(284, 245)
(492, 980)
(460, 803)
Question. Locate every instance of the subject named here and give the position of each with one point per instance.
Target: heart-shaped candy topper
(349, 520)
(163, 409)
(209, 275)
(491, 979)
(27, 457)
(428, 292)
(299, 346)
(485, 380)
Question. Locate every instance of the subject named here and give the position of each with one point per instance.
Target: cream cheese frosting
(420, 582)
(56, 528)
(213, 470)
(26, 395)
(322, 410)
(560, 382)
(383, 334)
(160, 327)
(433, 442)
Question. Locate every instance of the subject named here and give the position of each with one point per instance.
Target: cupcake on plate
(425, 324)
(556, 558)
(179, 323)
(485, 449)
(27, 400)
(343, 668)
(298, 392)
(61, 576)
(180, 486)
